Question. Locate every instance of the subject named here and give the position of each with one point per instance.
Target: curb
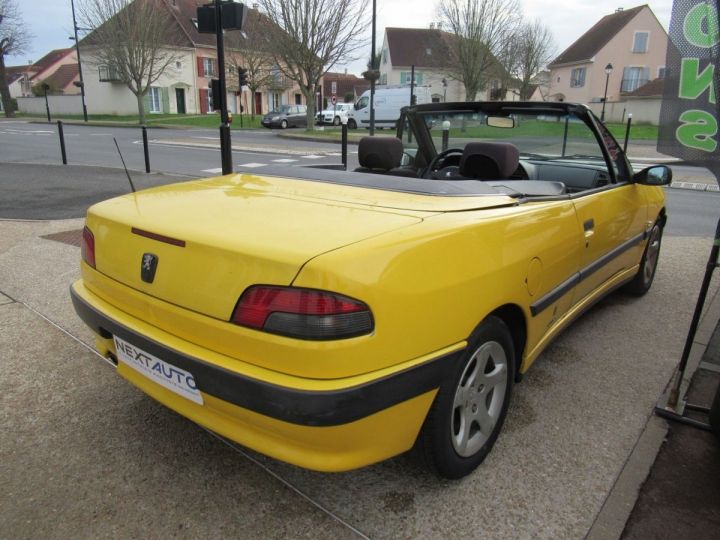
(695, 186)
(93, 123)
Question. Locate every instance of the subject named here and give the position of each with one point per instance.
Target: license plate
(165, 374)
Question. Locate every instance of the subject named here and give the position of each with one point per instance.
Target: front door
(258, 103)
(180, 97)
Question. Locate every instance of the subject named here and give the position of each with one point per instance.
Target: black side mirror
(657, 175)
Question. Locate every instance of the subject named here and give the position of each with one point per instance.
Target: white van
(388, 102)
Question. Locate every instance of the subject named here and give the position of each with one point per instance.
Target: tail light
(87, 248)
(302, 313)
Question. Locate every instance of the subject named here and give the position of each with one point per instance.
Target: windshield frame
(414, 117)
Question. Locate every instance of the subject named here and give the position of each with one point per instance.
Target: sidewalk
(86, 455)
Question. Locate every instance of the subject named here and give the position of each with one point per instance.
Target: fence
(646, 111)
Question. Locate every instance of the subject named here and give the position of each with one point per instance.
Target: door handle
(589, 228)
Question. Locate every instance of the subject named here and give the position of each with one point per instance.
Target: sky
(50, 21)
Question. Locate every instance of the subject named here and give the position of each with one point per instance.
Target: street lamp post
(77, 50)
(608, 71)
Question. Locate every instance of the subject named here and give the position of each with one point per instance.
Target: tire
(470, 407)
(352, 124)
(336, 121)
(284, 124)
(643, 280)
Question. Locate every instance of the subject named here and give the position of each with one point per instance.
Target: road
(187, 152)
(190, 153)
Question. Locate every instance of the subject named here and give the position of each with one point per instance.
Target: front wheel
(284, 124)
(642, 281)
(471, 405)
(336, 121)
(352, 124)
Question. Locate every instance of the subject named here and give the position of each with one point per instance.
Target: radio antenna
(132, 186)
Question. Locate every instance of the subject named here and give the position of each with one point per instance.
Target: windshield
(283, 109)
(538, 136)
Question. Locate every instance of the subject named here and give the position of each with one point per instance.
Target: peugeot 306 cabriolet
(334, 319)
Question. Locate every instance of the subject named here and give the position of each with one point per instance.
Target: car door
(612, 223)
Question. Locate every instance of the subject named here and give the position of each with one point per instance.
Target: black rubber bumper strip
(302, 407)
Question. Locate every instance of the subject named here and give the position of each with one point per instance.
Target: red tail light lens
(302, 313)
(87, 248)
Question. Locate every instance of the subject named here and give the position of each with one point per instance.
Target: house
(46, 68)
(623, 51)
(185, 86)
(18, 80)
(430, 50)
(342, 85)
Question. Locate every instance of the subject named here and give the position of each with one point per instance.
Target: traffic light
(242, 76)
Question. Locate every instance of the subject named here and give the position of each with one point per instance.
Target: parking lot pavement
(84, 454)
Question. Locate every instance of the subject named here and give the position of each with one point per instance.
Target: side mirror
(658, 175)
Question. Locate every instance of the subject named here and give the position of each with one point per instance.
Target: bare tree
(535, 48)
(131, 39)
(316, 35)
(14, 39)
(481, 29)
(251, 49)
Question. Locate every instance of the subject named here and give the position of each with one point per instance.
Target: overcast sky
(51, 21)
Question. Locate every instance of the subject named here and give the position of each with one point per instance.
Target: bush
(349, 97)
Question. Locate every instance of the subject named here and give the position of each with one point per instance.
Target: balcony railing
(628, 85)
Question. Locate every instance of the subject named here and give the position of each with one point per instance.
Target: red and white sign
(333, 99)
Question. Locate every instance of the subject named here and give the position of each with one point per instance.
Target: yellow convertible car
(333, 319)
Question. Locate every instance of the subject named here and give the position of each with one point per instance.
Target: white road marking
(333, 154)
(252, 165)
(284, 160)
(312, 156)
(213, 171)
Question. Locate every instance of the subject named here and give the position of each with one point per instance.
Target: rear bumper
(331, 430)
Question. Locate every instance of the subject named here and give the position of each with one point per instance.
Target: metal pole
(607, 81)
(77, 51)
(372, 79)
(47, 105)
(225, 143)
(445, 134)
(344, 144)
(62, 142)
(565, 134)
(627, 132)
(412, 83)
(146, 150)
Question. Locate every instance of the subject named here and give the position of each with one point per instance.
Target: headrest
(489, 160)
(380, 152)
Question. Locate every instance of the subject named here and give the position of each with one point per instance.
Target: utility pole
(225, 143)
(372, 69)
(77, 51)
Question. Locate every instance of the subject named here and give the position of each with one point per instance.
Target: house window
(577, 78)
(640, 42)
(405, 77)
(178, 65)
(383, 78)
(209, 67)
(634, 78)
(298, 99)
(661, 72)
(155, 99)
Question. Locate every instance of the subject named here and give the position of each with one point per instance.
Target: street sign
(333, 99)
(333, 87)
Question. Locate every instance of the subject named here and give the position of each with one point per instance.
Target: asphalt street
(188, 152)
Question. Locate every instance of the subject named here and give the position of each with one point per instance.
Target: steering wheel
(436, 162)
